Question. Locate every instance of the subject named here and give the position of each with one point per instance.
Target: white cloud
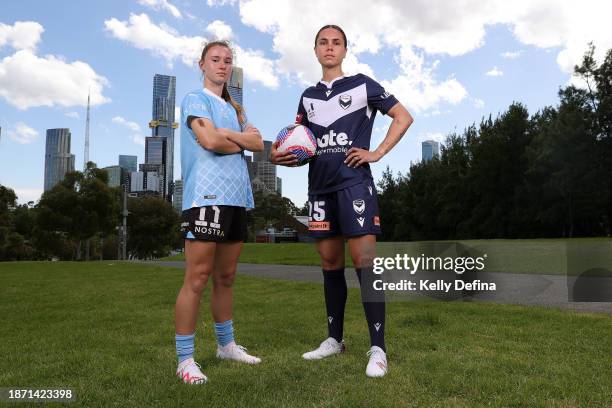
(27, 80)
(26, 194)
(72, 114)
(417, 88)
(136, 136)
(138, 139)
(495, 72)
(161, 39)
(479, 103)
(128, 124)
(23, 35)
(511, 54)
(218, 3)
(161, 5)
(427, 28)
(164, 41)
(219, 30)
(437, 136)
(22, 133)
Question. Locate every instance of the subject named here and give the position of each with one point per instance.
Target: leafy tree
(152, 227)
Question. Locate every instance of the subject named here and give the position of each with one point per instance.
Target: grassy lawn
(106, 330)
(542, 256)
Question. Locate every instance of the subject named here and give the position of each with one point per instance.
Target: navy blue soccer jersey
(341, 115)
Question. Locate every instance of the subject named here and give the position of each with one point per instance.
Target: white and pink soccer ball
(299, 140)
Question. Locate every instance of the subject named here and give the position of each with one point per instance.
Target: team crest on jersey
(359, 206)
(345, 101)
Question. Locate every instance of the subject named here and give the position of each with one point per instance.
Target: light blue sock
(224, 332)
(184, 346)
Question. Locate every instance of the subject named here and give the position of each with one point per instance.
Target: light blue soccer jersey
(211, 178)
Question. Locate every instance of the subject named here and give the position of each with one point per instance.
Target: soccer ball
(299, 140)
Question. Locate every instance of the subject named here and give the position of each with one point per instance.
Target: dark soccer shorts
(217, 223)
(350, 212)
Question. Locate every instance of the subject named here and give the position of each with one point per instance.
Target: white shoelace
(376, 353)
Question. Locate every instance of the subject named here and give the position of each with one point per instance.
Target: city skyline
(448, 76)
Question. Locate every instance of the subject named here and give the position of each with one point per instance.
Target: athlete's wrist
(379, 153)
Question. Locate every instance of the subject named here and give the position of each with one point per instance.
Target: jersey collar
(331, 83)
(211, 93)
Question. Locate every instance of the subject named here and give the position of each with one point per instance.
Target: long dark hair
(225, 93)
(335, 27)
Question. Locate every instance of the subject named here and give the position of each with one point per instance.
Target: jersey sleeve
(378, 98)
(301, 118)
(194, 106)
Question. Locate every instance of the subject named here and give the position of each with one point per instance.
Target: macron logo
(377, 326)
(330, 319)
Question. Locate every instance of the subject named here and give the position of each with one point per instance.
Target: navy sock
(374, 307)
(334, 286)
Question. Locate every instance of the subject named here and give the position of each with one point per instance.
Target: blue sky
(449, 63)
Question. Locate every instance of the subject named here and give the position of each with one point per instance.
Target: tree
(76, 209)
(153, 227)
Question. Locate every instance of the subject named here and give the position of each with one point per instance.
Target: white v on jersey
(341, 115)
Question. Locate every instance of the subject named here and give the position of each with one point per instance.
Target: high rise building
(429, 149)
(177, 197)
(163, 124)
(235, 84)
(129, 163)
(58, 159)
(136, 181)
(152, 176)
(264, 155)
(263, 172)
(117, 176)
(279, 186)
(155, 161)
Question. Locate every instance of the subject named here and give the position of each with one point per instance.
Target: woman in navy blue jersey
(340, 111)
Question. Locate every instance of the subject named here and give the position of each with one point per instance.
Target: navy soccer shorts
(217, 223)
(349, 212)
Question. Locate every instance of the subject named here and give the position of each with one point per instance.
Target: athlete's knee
(364, 258)
(330, 260)
(198, 278)
(226, 278)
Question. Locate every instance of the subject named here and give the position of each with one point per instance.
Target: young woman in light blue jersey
(216, 195)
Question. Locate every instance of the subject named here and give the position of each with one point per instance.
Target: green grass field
(541, 256)
(106, 331)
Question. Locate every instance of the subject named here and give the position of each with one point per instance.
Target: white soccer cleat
(377, 366)
(235, 352)
(189, 371)
(328, 348)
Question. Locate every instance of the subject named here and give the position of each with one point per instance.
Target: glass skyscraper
(429, 149)
(128, 163)
(162, 125)
(58, 159)
(235, 85)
